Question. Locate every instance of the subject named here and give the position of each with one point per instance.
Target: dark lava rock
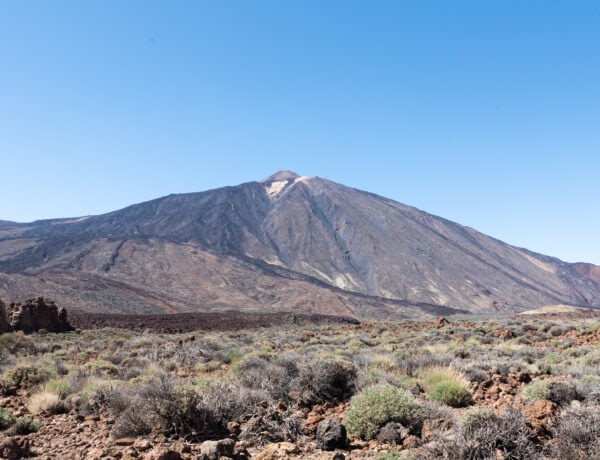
(392, 433)
(331, 435)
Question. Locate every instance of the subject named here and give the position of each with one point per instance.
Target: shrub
(226, 402)
(6, 419)
(323, 380)
(60, 387)
(482, 434)
(92, 394)
(158, 403)
(26, 376)
(101, 368)
(447, 386)
(371, 409)
(271, 425)
(48, 402)
(556, 391)
(14, 342)
(23, 426)
(259, 374)
(563, 392)
(537, 390)
(577, 434)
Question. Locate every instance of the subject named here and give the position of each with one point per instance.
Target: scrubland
(510, 388)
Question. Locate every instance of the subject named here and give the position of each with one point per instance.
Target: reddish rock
(411, 442)
(440, 322)
(504, 334)
(162, 453)
(142, 445)
(277, 451)
(13, 447)
(540, 414)
(124, 441)
(234, 428)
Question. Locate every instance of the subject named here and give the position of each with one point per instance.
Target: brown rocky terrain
(524, 401)
(287, 243)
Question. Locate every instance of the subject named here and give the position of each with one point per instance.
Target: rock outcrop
(33, 315)
(4, 326)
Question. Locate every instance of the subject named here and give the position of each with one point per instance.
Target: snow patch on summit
(276, 188)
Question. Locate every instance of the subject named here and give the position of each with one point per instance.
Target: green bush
(451, 393)
(447, 386)
(26, 376)
(371, 409)
(535, 391)
(60, 387)
(6, 419)
(23, 426)
(559, 392)
(14, 342)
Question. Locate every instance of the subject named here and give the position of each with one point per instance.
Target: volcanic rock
(35, 315)
(331, 435)
(13, 447)
(392, 433)
(214, 450)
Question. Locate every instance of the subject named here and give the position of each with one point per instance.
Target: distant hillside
(288, 243)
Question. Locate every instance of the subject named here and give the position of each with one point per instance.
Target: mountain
(288, 242)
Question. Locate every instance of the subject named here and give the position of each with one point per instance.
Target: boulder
(331, 435)
(214, 450)
(13, 447)
(440, 322)
(392, 433)
(162, 453)
(37, 314)
(277, 451)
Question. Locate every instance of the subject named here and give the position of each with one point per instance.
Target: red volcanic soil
(187, 322)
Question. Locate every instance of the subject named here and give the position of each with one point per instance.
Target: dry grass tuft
(47, 401)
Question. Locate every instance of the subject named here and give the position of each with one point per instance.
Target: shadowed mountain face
(286, 243)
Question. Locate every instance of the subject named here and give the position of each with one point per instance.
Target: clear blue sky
(483, 112)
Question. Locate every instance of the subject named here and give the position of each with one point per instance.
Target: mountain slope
(285, 243)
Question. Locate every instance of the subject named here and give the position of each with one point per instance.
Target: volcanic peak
(280, 182)
(283, 175)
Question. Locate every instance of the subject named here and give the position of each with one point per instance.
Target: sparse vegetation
(459, 391)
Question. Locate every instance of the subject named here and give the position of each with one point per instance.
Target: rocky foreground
(511, 388)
